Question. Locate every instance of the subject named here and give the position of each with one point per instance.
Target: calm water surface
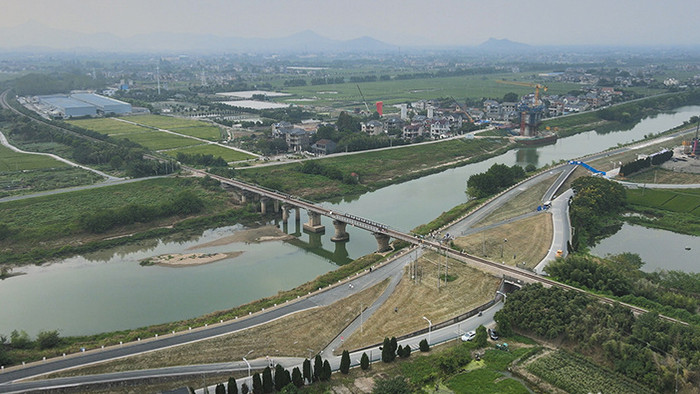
(109, 290)
(659, 249)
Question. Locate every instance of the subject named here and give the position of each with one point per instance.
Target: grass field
(575, 374)
(468, 290)
(401, 91)
(15, 161)
(109, 126)
(375, 168)
(528, 239)
(485, 380)
(660, 175)
(289, 336)
(675, 200)
(165, 122)
(157, 140)
(49, 217)
(209, 133)
(526, 201)
(215, 150)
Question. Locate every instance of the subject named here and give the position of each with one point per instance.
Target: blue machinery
(586, 166)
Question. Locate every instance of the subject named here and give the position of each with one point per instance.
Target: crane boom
(537, 87)
(462, 110)
(363, 99)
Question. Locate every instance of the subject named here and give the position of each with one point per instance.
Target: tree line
(645, 348)
(207, 160)
(640, 164)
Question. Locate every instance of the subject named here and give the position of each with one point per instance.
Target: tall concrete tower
(404, 111)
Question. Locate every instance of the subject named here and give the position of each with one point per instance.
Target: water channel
(109, 290)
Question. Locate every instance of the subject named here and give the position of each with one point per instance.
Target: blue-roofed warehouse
(69, 107)
(104, 104)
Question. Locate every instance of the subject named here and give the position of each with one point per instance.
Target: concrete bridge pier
(314, 224)
(263, 206)
(285, 214)
(340, 234)
(315, 241)
(340, 253)
(382, 242)
(297, 217)
(276, 205)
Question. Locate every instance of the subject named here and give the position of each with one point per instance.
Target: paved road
(6, 143)
(75, 188)
(322, 298)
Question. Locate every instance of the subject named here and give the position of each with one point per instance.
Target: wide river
(109, 290)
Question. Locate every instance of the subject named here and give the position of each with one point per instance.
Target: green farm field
(109, 126)
(58, 215)
(15, 161)
(209, 133)
(375, 168)
(215, 150)
(401, 91)
(157, 140)
(575, 374)
(164, 122)
(675, 200)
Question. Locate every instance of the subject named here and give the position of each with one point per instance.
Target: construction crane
(462, 110)
(537, 87)
(363, 99)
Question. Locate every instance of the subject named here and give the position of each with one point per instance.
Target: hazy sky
(401, 22)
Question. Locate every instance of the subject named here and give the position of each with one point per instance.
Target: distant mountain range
(33, 36)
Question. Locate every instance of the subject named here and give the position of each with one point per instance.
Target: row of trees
(646, 348)
(184, 203)
(21, 340)
(495, 179)
(201, 159)
(640, 164)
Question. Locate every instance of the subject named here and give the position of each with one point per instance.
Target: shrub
(48, 339)
(232, 386)
(345, 362)
(20, 340)
(364, 362)
(424, 346)
(297, 378)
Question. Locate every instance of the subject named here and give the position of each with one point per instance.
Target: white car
(468, 336)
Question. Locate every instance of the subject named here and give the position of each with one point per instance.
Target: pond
(659, 249)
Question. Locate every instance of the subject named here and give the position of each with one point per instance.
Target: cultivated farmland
(209, 133)
(164, 122)
(108, 126)
(678, 200)
(211, 149)
(157, 140)
(15, 161)
(576, 374)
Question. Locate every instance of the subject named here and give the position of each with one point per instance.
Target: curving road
(392, 269)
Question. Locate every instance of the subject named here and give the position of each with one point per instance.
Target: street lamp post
(503, 244)
(361, 331)
(246, 361)
(430, 325)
